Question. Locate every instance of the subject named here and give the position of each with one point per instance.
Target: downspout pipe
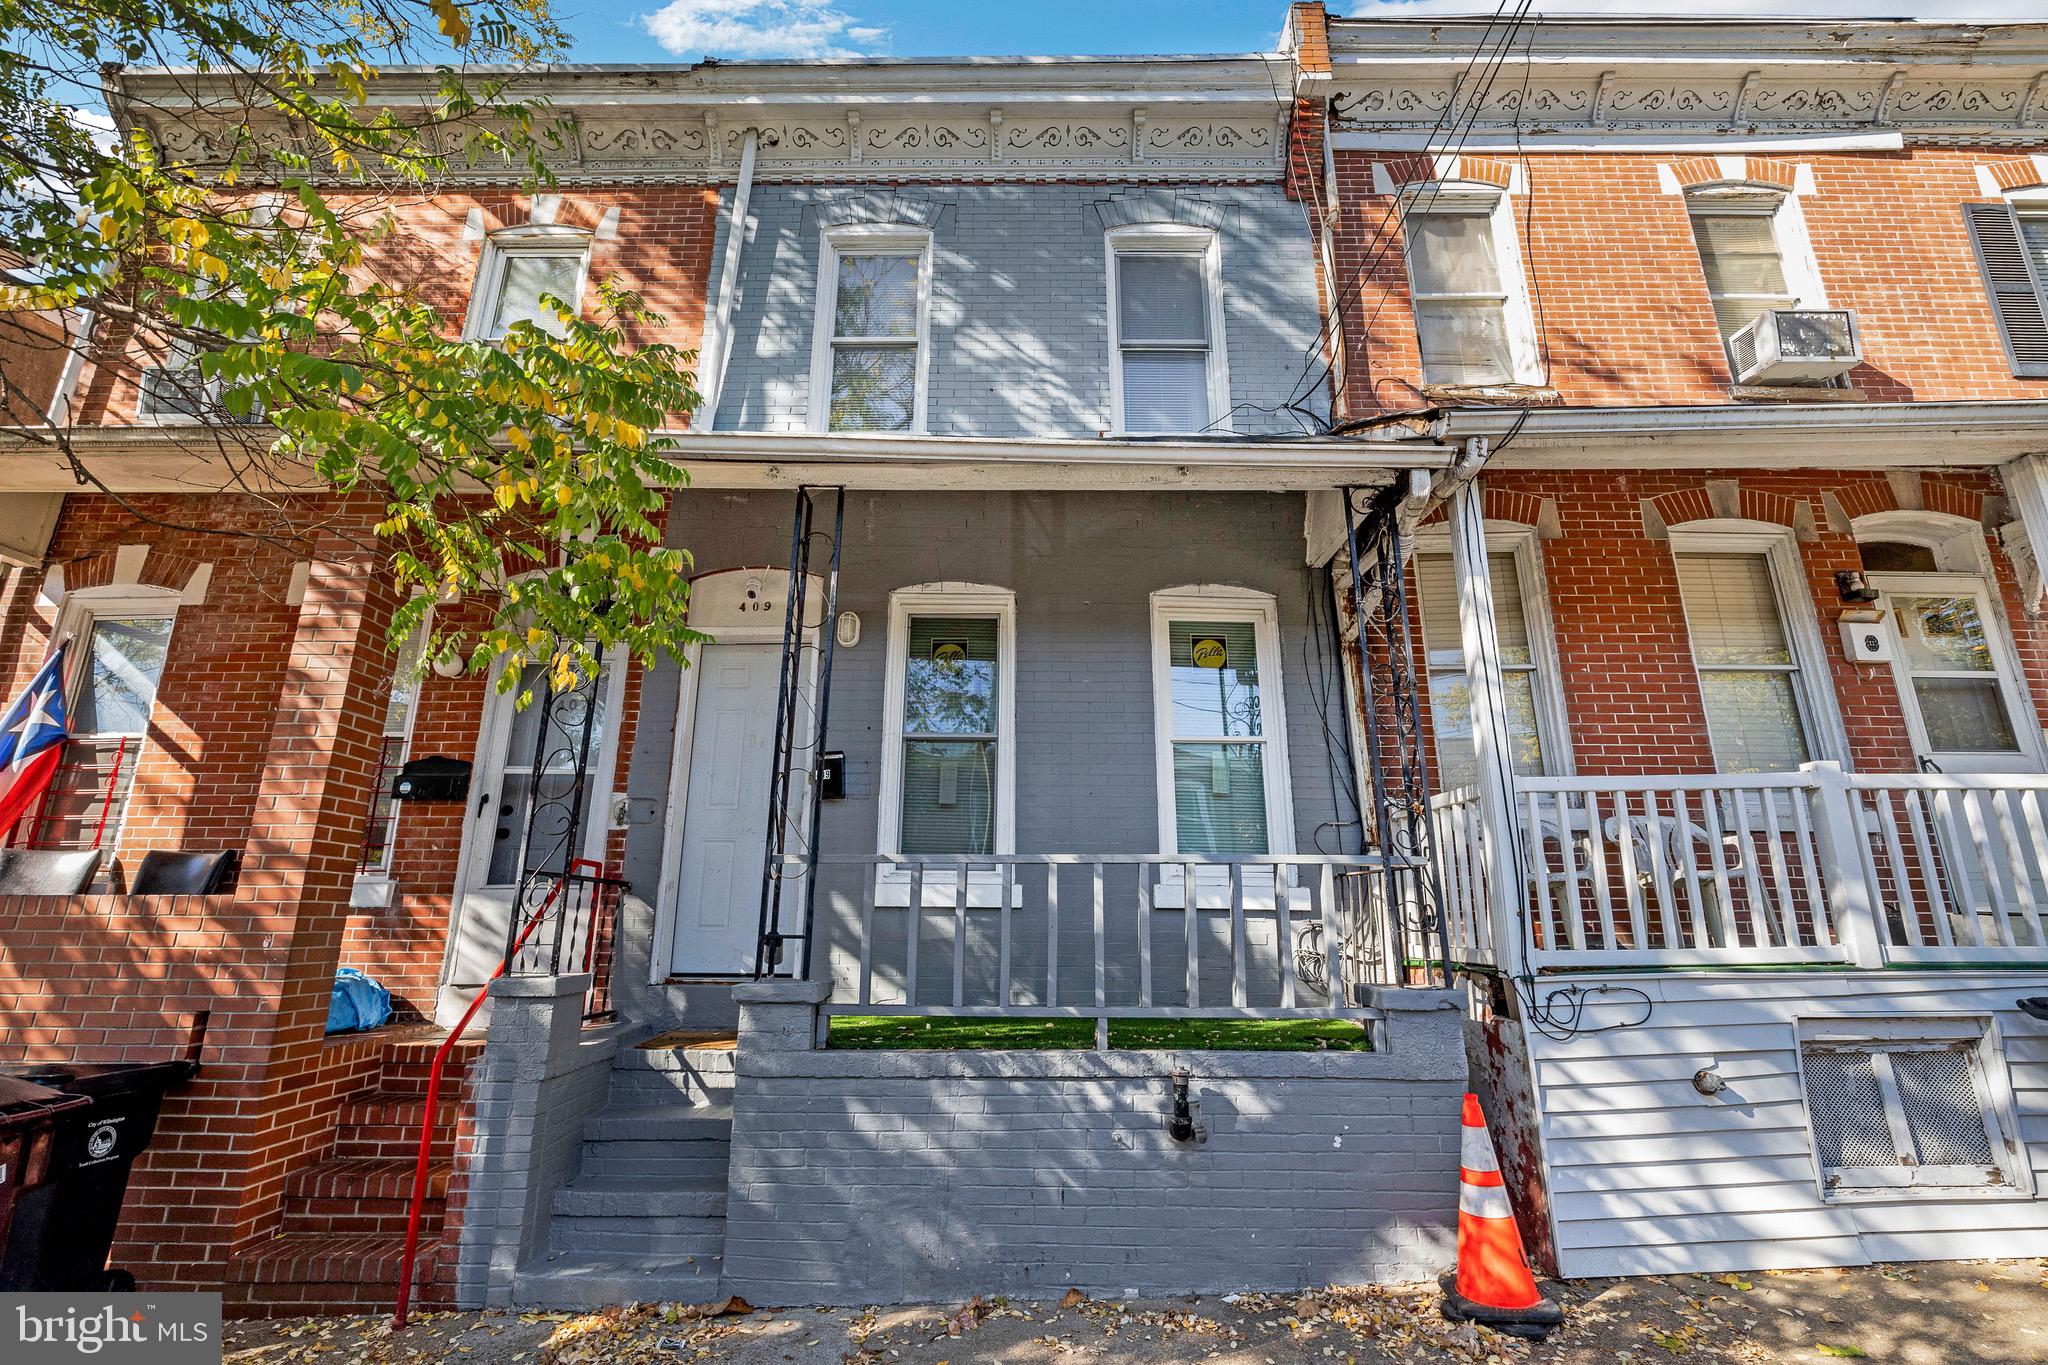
(717, 348)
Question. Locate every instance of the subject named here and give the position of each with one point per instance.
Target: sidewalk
(1939, 1313)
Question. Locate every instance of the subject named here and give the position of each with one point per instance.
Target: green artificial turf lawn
(896, 1031)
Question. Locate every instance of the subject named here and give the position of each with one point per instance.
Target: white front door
(1957, 676)
(522, 797)
(725, 812)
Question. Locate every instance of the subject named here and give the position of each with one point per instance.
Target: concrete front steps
(341, 1240)
(644, 1220)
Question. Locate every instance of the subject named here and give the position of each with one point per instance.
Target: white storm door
(725, 814)
(522, 799)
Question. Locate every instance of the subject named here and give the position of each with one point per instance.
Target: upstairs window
(514, 276)
(1743, 262)
(1472, 320)
(1165, 325)
(874, 295)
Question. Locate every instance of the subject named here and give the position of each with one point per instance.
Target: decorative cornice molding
(2000, 105)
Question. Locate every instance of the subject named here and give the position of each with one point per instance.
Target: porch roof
(195, 460)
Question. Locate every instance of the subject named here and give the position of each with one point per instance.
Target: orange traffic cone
(1493, 1285)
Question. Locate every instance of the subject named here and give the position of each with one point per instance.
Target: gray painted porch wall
(1019, 311)
(1083, 566)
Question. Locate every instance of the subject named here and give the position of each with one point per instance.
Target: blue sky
(686, 30)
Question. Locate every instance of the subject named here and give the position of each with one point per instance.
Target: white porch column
(1500, 855)
(1838, 832)
(2026, 482)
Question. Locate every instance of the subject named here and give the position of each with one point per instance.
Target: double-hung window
(117, 660)
(1166, 331)
(1742, 259)
(2011, 239)
(1450, 694)
(1465, 303)
(516, 274)
(1220, 731)
(874, 298)
(1751, 675)
(949, 761)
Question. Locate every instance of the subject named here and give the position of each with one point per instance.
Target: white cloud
(1960, 11)
(760, 28)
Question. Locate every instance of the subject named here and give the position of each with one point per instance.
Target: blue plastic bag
(359, 1003)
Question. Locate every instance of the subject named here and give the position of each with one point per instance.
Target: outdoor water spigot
(1182, 1127)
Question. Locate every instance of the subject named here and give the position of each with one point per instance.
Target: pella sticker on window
(1210, 652)
(950, 652)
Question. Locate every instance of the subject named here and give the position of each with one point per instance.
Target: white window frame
(859, 240)
(1868, 1184)
(1788, 230)
(1826, 739)
(942, 600)
(1167, 239)
(1552, 717)
(2030, 205)
(500, 248)
(74, 626)
(373, 889)
(1216, 602)
(1497, 207)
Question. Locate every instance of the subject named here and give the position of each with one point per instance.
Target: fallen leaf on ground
(1073, 1298)
(1842, 1352)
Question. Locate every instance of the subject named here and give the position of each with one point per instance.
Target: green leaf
(1842, 1352)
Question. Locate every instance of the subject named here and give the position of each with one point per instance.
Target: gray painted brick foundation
(864, 1177)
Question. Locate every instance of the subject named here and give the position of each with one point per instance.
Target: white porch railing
(1102, 936)
(1814, 866)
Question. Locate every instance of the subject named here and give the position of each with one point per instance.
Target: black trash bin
(63, 1231)
(28, 1132)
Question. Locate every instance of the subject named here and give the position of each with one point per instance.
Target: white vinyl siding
(1450, 697)
(1649, 1177)
(1461, 296)
(1749, 669)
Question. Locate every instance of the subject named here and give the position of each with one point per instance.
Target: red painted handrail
(420, 1165)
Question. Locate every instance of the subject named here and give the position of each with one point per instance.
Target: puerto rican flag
(32, 742)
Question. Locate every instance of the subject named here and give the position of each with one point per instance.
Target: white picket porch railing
(1815, 866)
(1101, 936)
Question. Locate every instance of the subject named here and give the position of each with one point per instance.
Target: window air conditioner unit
(1795, 346)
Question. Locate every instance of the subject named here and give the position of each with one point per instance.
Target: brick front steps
(340, 1242)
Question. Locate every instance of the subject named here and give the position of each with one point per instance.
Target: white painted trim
(74, 622)
(411, 656)
(1169, 239)
(1221, 602)
(948, 599)
(1957, 542)
(1525, 544)
(1587, 140)
(520, 241)
(1826, 738)
(835, 241)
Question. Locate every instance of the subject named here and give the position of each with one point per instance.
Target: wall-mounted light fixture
(1852, 586)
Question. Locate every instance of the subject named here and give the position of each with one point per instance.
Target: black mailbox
(432, 779)
(832, 776)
